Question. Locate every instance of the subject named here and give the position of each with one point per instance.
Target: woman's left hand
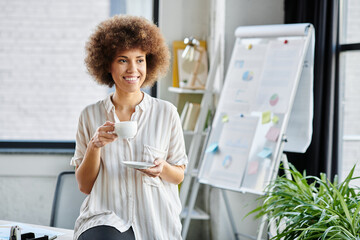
(167, 172)
(156, 170)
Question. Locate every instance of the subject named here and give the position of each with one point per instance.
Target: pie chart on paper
(227, 161)
(274, 99)
(247, 76)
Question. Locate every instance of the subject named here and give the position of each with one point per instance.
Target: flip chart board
(267, 93)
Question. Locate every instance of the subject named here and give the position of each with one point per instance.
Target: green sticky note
(266, 117)
(225, 118)
(275, 119)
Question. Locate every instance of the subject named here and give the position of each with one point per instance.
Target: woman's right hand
(87, 171)
(104, 134)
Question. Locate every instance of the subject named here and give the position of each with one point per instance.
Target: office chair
(67, 201)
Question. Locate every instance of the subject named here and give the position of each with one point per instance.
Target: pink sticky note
(273, 134)
(253, 167)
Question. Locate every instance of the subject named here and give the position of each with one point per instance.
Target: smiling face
(128, 70)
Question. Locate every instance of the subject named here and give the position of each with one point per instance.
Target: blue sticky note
(265, 153)
(214, 147)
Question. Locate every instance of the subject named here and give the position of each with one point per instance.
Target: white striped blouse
(122, 197)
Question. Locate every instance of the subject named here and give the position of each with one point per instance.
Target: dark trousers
(106, 232)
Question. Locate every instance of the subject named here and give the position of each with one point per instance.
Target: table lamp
(193, 45)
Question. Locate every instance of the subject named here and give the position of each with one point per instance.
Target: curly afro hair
(123, 32)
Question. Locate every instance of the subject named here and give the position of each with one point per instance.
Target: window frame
(37, 146)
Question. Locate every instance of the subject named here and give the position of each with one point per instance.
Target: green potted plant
(308, 207)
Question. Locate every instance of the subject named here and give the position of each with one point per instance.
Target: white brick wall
(350, 82)
(353, 21)
(43, 79)
(351, 93)
(351, 117)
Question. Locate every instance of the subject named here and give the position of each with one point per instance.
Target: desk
(68, 234)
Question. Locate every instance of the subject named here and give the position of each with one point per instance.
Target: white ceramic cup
(126, 129)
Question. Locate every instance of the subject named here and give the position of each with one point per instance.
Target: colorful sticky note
(275, 119)
(273, 134)
(239, 63)
(253, 167)
(266, 117)
(265, 153)
(249, 46)
(214, 147)
(225, 118)
(227, 161)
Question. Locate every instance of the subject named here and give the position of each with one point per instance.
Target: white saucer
(138, 165)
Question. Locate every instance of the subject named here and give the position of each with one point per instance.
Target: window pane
(349, 77)
(350, 21)
(44, 83)
(351, 156)
(350, 73)
(140, 8)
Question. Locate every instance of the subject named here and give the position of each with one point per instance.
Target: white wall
(27, 185)
(179, 19)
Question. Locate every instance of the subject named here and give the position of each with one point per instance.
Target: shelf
(195, 172)
(191, 133)
(187, 91)
(192, 173)
(197, 213)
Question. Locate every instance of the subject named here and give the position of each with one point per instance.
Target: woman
(125, 203)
